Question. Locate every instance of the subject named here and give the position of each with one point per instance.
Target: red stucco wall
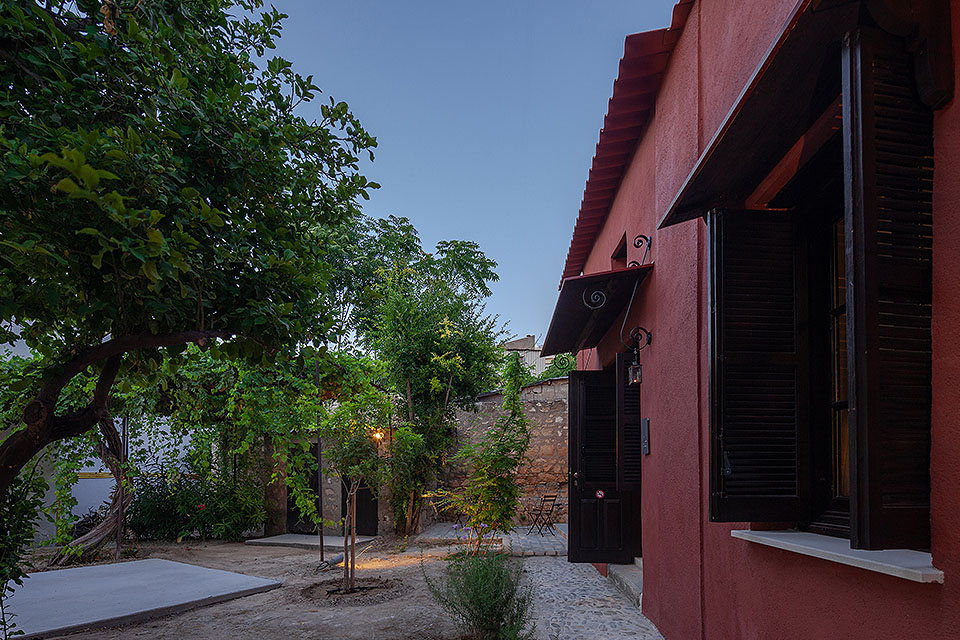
(698, 581)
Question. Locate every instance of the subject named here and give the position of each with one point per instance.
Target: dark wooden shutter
(758, 382)
(888, 139)
(629, 443)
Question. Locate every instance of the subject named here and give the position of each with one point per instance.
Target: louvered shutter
(888, 133)
(629, 444)
(758, 413)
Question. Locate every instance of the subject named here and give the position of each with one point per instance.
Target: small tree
(492, 496)
(352, 429)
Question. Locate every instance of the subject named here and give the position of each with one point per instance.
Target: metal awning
(771, 114)
(587, 307)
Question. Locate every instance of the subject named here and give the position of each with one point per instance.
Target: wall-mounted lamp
(641, 339)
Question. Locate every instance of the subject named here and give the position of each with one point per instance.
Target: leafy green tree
(157, 188)
(423, 318)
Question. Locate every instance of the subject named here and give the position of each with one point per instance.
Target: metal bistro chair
(542, 515)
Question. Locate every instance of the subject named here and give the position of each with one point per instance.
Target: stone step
(629, 579)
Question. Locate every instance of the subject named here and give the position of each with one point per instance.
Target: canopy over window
(588, 306)
(772, 114)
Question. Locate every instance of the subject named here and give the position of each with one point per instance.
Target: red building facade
(747, 144)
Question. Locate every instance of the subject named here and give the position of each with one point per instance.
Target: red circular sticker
(599, 494)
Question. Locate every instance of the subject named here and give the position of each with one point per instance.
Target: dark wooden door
(603, 521)
(366, 511)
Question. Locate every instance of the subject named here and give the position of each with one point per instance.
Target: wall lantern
(641, 339)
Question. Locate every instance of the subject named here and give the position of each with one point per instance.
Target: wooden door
(367, 506)
(604, 522)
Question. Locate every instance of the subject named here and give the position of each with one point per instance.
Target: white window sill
(901, 563)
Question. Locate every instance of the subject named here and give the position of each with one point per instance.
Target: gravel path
(574, 602)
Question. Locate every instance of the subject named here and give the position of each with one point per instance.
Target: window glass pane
(840, 444)
(841, 454)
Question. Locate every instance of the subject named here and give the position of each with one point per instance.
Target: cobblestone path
(517, 543)
(574, 602)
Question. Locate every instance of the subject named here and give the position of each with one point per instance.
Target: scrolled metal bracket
(641, 241)
(641, 337)
(596, 299)
(563, 360)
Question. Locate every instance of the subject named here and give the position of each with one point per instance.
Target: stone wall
(545, 404)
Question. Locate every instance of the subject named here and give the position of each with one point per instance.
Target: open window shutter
(758, 413)
(888, 135)
(629, 444)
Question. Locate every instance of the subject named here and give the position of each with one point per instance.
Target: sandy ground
(405, 611)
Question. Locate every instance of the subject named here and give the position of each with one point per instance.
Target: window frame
(872, 254)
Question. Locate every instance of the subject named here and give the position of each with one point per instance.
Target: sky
(486, 114)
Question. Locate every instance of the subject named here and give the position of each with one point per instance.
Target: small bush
(483, 592)
(172, 508)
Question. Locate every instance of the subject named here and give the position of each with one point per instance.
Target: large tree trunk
(85, 547)
(44, 426)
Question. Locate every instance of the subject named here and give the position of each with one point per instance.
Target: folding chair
(542, 515)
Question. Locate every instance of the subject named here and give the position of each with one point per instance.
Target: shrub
(483, 593)
(19, 509)
(183, 505)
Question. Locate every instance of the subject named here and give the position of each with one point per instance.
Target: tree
(352, 429)
(157, 188)
(423, 317)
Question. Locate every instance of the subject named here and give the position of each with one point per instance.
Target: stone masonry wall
(545, 405)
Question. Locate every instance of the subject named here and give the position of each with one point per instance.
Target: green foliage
(421, 315)
(484, 594)
(491, 496)
(352, 427)
(229, 410)
(409, 463)
(156, 179)
(179, 505)
(19, 509)
(152, 176)
(560, 367)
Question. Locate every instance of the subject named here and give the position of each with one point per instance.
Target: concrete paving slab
(67, 600)
(304, 541)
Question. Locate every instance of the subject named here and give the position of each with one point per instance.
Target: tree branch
(27, 70)
(50, 391)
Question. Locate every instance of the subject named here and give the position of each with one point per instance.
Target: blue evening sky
(486, 115)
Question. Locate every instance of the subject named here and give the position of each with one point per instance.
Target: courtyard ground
(572, 602)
